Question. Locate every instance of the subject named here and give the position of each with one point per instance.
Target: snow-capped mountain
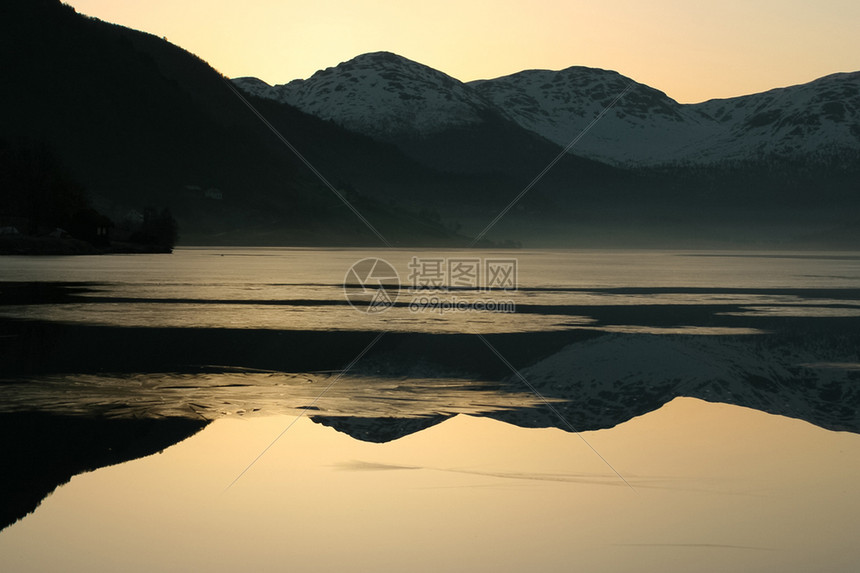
(821, 118)
(380, 94)
(391, 97)
(645, 126)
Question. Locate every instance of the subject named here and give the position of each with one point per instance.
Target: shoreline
(24, 245)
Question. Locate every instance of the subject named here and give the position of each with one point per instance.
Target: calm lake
(509, 410)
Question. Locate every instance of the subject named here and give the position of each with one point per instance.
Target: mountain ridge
(645, 127)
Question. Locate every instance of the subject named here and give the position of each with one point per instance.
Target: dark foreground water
(638, 411)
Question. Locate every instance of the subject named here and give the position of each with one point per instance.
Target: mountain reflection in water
(715, 488)
(98, 372)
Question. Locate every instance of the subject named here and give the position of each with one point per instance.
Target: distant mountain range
(138, 122)
(392, 98)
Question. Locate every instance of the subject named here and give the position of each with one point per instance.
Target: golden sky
(692, 50)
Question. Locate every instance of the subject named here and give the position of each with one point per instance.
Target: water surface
(639, 410)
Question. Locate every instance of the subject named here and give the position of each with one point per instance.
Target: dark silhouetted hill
(138, 121)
